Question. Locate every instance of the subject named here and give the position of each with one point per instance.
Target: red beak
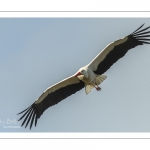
(77, 74)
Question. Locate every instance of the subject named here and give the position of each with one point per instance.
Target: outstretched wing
(50, 97)
(116, 50)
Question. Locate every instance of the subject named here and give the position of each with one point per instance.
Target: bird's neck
(91, 75)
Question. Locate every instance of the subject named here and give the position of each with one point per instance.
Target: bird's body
(89, 76)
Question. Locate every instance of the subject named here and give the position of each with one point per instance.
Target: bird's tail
(99, 80)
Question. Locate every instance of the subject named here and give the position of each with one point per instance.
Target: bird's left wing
(116, 50)
(50, 97)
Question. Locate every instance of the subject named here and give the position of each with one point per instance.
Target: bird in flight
(89, 76)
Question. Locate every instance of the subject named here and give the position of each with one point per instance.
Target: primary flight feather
(89, 76)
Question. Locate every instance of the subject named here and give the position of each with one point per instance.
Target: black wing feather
(32, 119)
(139, 31)
(26, 117)
(36, 110)
(134, 39)
(31, 113)
(136, 31)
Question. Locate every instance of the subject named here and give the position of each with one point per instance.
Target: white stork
(89, 76)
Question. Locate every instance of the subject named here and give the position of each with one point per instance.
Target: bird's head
(82, 71)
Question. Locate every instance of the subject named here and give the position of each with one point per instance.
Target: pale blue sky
(37, 53)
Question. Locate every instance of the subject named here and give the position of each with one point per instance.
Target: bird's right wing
(117, 49)
(50, 97)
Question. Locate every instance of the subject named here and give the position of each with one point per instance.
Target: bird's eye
(82, 71)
